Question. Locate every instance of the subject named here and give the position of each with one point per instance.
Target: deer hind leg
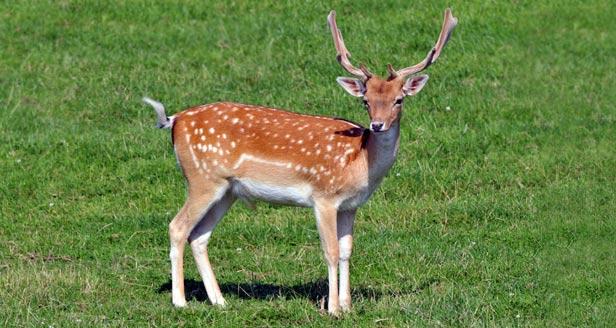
(199, 238)
(326, 222)
(345, 242)
(198, 203)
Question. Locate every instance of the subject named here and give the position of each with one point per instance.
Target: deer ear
(413, 85)
(353, 86)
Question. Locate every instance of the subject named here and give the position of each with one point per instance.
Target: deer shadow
(314, 291)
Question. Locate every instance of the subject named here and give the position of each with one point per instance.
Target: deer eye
(398, 102)
(365, 102)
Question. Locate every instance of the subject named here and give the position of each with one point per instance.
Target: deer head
(383, 98)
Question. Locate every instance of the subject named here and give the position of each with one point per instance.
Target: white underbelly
(250, 190)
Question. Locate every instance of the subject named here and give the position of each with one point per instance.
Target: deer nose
(376, 126)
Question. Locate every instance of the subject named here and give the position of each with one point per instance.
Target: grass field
(498, 212)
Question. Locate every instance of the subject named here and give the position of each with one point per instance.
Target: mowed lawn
(500, 210)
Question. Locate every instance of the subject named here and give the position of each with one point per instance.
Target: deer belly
(300, 195)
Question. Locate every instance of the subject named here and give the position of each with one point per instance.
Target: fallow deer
(229, 150)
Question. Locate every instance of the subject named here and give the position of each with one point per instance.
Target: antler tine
(365, 70)
(449, 23)
(342, 52)
(392, 72)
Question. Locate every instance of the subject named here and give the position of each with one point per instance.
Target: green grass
(498, 212)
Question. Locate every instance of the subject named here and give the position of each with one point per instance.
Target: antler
(449, 22)
(343, 54)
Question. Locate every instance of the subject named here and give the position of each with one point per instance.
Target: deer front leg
(345, 241)
(326, 222)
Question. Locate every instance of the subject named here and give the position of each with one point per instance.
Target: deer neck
(382, 149)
